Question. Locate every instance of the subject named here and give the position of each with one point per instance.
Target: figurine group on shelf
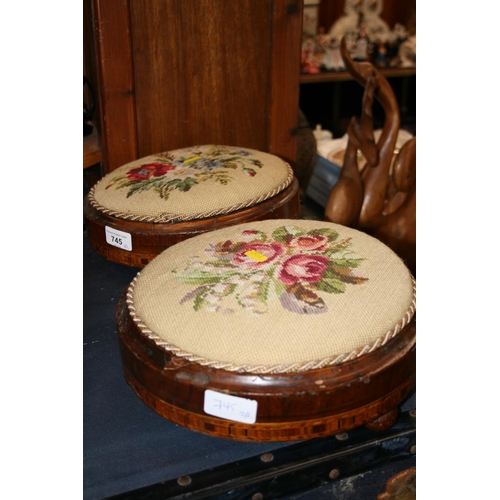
(368, 38)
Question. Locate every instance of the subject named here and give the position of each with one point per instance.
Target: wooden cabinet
(172, 73)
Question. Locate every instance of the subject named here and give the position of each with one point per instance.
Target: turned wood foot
(384, 422)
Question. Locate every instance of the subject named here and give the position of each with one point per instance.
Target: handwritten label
(119, 239)
(230, 407)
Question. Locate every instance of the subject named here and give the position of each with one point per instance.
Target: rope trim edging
(169, 217)
(265, 369)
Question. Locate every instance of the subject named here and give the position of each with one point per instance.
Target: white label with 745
(119, 239)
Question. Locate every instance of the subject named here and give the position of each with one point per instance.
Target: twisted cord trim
(265, 369)
(169, 217)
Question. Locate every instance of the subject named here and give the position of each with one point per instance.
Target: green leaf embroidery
(199, 277)
(199, 300)
(279, 287)
(331, 234)
(331, 284)
(345, 262)
(285, 233)
(263, 290)
(179, 184)
(255, 162)
(139, 187)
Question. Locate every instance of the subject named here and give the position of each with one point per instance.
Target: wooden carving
(402, 486)
(380, 198)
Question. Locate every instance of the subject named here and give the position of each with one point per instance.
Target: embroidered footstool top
(273, 296)
(190, 183)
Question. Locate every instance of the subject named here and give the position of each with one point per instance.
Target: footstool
(273, 330)
(135, 212)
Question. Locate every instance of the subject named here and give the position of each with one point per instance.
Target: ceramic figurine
(322, 39)
(332, 60)
(311, 65)
(307, 50)
(368, 37)
(359, 51)
(320, 45)
(309, 62)
(377, 29)
(381, 59)
(407, 52)
(348, 23)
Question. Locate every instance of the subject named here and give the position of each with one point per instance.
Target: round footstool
(273, 330)
(135, 212)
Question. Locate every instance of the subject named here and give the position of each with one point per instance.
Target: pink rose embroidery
(260, 267)
(310, 242)
(257, 254)
(305, 268)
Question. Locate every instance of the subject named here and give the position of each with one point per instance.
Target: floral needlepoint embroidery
(154, 169)
(292, 265)
(168, 172)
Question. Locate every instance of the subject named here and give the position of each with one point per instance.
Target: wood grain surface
(175, 74)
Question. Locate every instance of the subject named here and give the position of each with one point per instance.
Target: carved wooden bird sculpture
(380, 198)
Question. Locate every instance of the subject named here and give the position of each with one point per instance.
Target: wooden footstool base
(292, 406)
(274, 330)
(135, 212)
(150, 239)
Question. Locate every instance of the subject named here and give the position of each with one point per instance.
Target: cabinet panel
(177, 73)
(209, 72)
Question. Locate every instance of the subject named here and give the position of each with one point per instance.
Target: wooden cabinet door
(177, 73)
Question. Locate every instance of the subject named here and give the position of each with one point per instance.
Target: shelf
(91, 149)
(343, 76)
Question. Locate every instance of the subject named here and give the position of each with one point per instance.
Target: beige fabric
(191, 183)
(261, 296)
